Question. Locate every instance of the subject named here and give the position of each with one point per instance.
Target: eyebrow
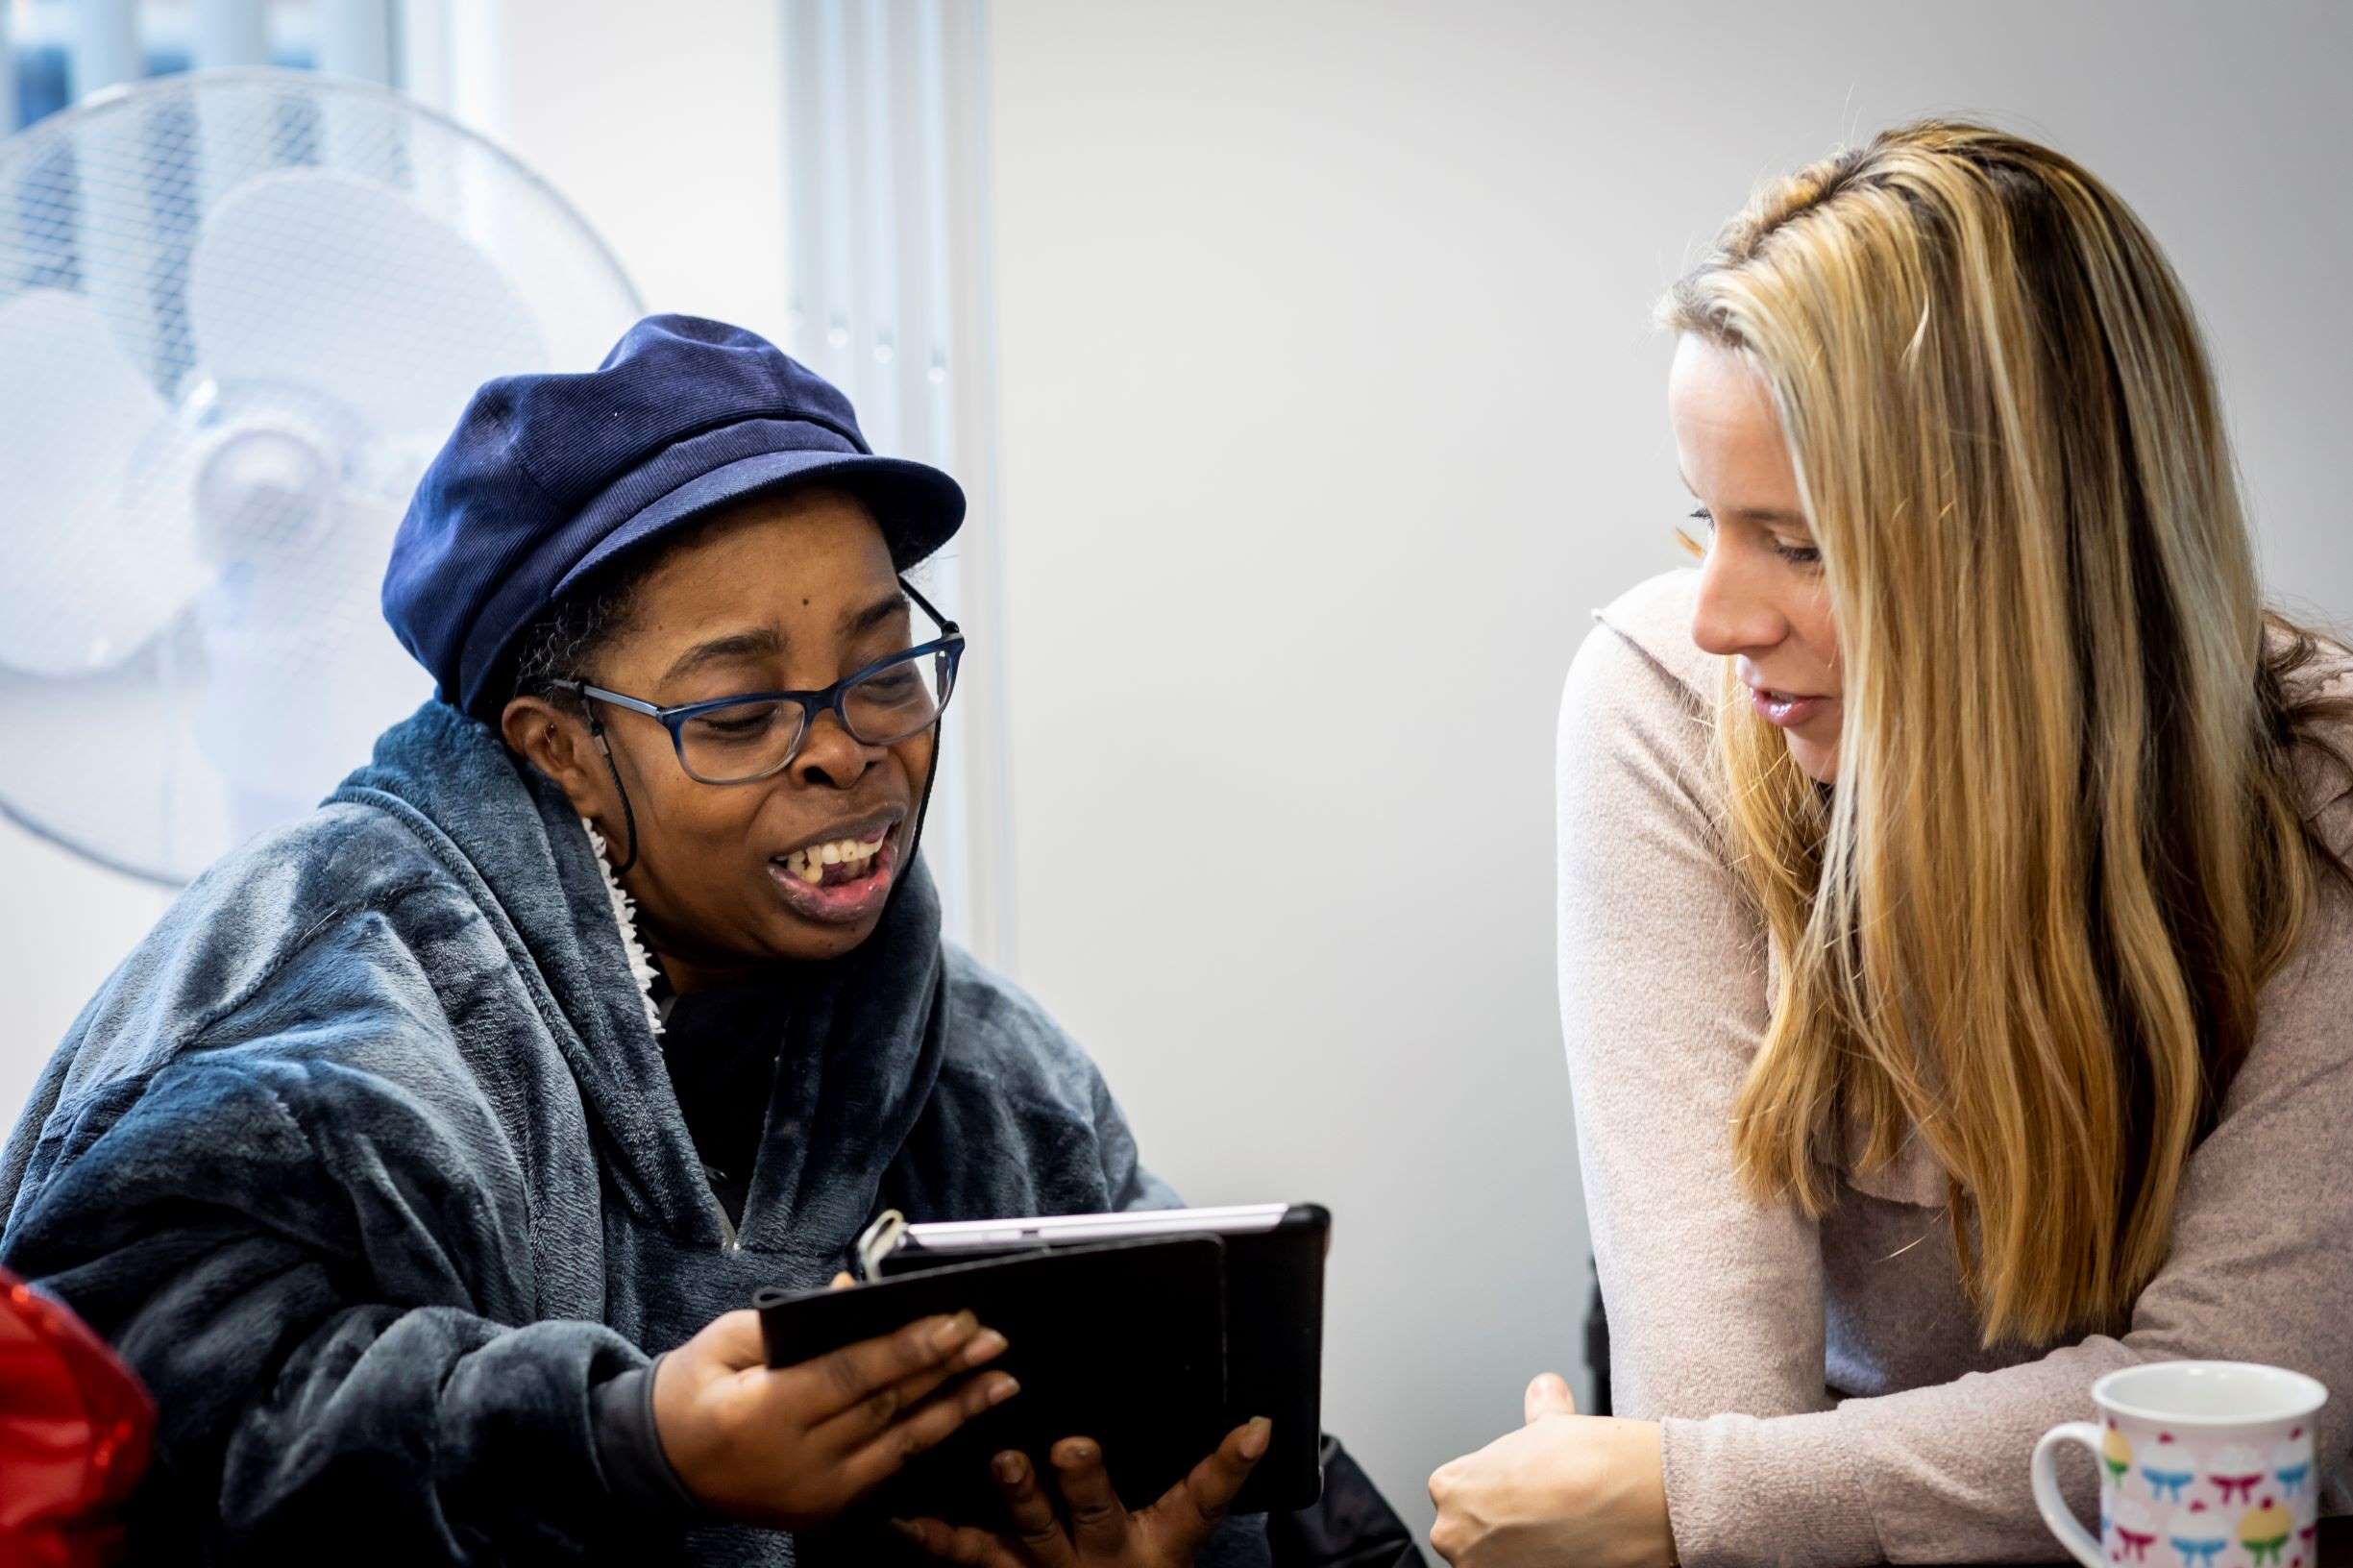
(761, 642)
(741, 645)
(873, 615)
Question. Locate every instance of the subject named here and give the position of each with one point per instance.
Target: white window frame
(893, 299)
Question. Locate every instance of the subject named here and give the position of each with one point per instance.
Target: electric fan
(240, 311)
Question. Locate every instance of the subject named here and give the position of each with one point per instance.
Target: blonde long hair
(2065, 847)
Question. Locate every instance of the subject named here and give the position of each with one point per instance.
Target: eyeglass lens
(750, 740)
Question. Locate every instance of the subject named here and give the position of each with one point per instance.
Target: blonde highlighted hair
(2065, 845)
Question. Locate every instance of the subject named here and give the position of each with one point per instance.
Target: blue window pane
(44, 80)
(41, 83)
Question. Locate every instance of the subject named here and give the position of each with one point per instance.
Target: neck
(689, 975)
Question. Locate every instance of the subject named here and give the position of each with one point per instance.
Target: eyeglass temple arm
(596, 730)
(594, 693)
(925, 606)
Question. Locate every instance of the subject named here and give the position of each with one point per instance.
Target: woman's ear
(556, 744)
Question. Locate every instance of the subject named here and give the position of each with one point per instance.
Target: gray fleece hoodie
(366, 1159)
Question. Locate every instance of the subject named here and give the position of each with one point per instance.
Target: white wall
(665, 126)
(1330, 410)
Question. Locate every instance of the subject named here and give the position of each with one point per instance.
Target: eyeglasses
(743, 738)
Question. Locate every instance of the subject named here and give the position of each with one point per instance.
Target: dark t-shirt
(721, 1047)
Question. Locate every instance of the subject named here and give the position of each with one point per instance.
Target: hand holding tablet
(1157, 1336)
(1099, 1529)
(794, 1446)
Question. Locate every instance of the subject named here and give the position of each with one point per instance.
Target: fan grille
(240, 311)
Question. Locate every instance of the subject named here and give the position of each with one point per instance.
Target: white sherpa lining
(624, 915)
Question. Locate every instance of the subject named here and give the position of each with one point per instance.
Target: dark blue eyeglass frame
(949, 645)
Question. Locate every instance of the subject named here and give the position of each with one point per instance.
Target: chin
(1816, 761)
(811, 941)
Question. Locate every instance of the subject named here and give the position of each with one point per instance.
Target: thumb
(1548, 1395)
(732, 1340)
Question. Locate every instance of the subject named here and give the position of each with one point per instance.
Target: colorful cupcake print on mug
(2235, 1472)
(2169, 1470)
(2265, 1532)
(2198, 1535)
(2132, 1528)
(2292, 1463)
(2202, 1464)
(2116, 1454)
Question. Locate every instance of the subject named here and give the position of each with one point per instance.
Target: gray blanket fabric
(366, 1159)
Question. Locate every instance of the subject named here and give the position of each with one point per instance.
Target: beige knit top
(1824, 1395)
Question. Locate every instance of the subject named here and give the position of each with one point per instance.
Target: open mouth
(832, 864)
(840, 880)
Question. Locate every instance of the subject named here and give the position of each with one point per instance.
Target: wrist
(629, 1451)
(1659, 1521)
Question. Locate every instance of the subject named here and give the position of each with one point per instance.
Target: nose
(831, 757)
(1736, 612)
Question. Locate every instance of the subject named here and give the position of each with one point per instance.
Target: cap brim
(919, 507)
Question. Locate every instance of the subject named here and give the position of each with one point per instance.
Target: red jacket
(74, 1429)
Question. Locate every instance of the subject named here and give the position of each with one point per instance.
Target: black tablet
(1154, 1332)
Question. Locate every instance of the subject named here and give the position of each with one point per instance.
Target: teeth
(809, 864)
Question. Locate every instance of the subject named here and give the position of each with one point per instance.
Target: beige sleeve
(2260, 1270)
(1715, 1303)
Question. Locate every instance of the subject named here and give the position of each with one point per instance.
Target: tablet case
(1274, 1318)
(1123, 1342)
(1275, 1353)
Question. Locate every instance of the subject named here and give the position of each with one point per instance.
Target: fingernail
(988, 1343)
(1255, 1436)
(952, 1333)
(1002, 1387)
(908, 1528)
(1078, 1451)
(1008, 1466)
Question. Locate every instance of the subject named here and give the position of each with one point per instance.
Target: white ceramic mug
(2210, 1463)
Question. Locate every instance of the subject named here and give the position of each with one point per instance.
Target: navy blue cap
(548, 478)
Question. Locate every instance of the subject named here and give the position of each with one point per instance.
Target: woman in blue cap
(612, 990)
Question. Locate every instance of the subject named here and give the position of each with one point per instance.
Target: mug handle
(2056, 1513)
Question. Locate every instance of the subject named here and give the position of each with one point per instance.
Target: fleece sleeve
(314, 1264)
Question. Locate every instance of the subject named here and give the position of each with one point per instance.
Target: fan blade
(312, 277)
(302, 671)
(102, 552)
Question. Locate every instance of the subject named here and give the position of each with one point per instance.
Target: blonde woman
(1956, 939)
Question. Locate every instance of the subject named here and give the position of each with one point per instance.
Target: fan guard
(240, 311)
